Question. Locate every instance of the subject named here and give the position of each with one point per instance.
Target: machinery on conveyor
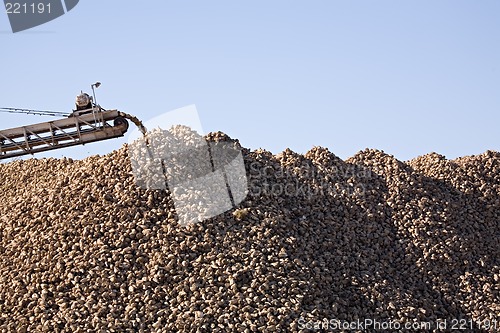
(89, 122)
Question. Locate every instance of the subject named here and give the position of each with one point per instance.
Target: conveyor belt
(66, 132)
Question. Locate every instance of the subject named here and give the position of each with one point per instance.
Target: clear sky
(406, 77)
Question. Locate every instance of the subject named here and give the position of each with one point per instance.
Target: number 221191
(24, 8)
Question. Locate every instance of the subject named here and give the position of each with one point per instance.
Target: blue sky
(406, 77)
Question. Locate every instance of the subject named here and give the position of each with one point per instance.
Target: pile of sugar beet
(83, 249)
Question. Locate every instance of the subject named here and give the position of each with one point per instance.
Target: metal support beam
(67, 132)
